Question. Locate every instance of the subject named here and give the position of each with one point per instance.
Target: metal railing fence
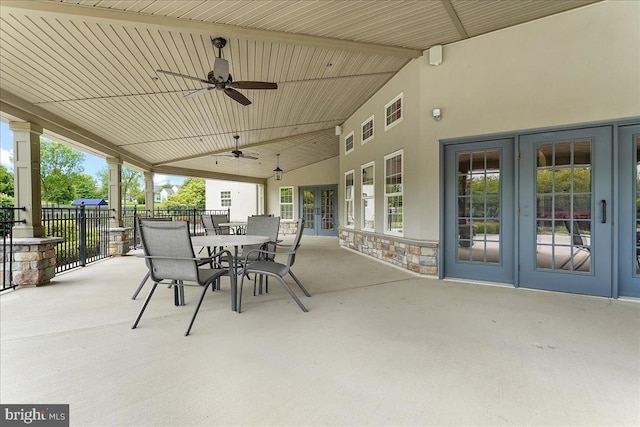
(85, 230)
(191, 214)
(7, 221)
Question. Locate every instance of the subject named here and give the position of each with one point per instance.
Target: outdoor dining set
(235, 249)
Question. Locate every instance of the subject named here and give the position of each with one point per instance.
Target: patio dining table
(228, 240)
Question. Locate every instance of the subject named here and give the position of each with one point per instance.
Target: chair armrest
(262, 251)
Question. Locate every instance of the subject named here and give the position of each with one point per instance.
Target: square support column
(114, 167)
(149, 198)
(26, 178)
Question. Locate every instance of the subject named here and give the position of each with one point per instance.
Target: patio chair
(220, 219)
(261, 225)
(271, 268)
(170, 259)
(146, 276)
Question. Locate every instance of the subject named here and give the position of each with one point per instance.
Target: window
(368, 199)
(367, 130)
(348, 143)
(286, 203)
(225, 198)
(348, 198)
(393, 193)
(393, 112)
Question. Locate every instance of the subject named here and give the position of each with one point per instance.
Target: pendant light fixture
(277, 172)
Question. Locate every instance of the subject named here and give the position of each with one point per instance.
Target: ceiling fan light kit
(220, 79)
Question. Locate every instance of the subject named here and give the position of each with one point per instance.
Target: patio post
(119, 236)
(26, 176)
(115, 191)
(148, 193)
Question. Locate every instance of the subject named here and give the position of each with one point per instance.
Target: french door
(565, 226)
(478, 220)
(318, 207)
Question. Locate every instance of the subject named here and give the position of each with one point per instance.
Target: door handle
(603, 211)
(317, 211)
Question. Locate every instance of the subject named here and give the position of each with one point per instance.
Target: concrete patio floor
(379, 346)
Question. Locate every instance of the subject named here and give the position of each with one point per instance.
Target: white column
(148, 193)
(114, 167)
(26, 178)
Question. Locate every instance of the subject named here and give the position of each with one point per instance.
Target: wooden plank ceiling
(86, 71)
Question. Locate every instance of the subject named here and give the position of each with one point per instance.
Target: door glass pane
(638, 205)
(308, 202)
(326, 210)
(563, 206)
(478, 206)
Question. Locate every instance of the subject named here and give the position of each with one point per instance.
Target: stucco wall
(576, 67)
(243, 197)
(321, 173)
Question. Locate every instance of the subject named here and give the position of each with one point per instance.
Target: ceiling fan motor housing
(220, 72)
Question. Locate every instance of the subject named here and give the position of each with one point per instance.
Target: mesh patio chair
(220, 219)
(146, 276)
(270, 268)
(170, 259)
(261, 225)
(578, 244)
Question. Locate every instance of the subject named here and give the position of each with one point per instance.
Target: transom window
(349, 188)
(367, 130)
(393, 193)
(393, 112)
(225, 198)
(286, 203)
(348, 143)
(368, 197)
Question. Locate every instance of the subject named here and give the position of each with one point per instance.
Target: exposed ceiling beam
(455, 19)
(170, 170)
(248, 146)
(19, 108)
(104, 15)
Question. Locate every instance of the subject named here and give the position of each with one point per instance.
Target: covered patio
(379, 346)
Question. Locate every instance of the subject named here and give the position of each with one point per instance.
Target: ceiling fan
(237, 154)
(220, 79)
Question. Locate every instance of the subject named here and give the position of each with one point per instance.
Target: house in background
(243, 199)
(161, 193)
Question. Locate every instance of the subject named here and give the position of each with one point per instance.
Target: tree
(131, 183)
(192, 193)
(59, 167)
(6, 181)
(85, 187)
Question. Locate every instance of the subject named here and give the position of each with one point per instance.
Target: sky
(92, 164)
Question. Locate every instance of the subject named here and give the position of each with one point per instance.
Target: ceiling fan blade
(184, 76)
(250, 156)
(199, 92)
(253, 85)
(237, 96)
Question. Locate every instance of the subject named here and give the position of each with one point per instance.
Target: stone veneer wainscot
(419, 256)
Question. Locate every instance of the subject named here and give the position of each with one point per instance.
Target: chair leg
(144, 306)
(239, 302)
(195, 313)
(299, 283)
(144, 280)
(294, 296)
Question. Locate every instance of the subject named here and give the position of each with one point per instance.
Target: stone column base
(119, 241)
(33, 260)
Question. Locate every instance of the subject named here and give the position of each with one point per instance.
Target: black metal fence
(85, 230)
(193, 215)
(7, 221)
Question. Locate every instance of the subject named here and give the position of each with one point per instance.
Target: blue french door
(479, 211)
(565, 221)
(318, 207)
